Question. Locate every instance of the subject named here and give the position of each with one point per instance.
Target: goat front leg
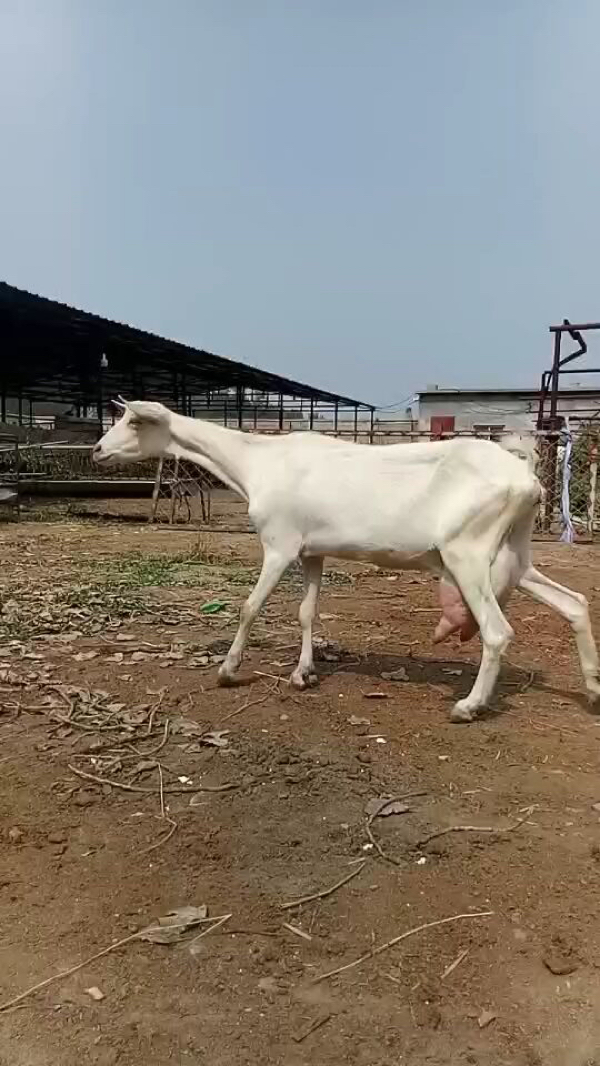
(274, 566)
(473, 579)
(304, 674)
(574, 607)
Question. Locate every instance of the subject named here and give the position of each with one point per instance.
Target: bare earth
(85, 864)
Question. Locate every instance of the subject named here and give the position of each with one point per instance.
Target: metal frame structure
(552, 421)
(550, 384)
(53, 353)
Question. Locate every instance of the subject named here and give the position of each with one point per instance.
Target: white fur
(463, 509)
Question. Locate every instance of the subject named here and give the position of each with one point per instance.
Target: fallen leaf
(485, 1018)
(84, 656)
(395, 675)
(213, 607)
(354, 720)
(186, 728)
(172, 927)
(383, 806)
(218, 738)
(376, 695)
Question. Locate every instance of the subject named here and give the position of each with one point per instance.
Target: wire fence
(176, 492)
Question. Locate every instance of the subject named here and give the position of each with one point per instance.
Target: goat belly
(456, 616)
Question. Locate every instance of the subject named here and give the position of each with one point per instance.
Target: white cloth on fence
(568, 533)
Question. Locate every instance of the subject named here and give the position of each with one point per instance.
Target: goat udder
(456, 616)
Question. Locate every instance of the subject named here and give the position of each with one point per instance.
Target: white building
(490, 411)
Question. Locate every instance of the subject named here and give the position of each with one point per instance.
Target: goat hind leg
(304, 674)
(574, 607)
(274, 566)
(473, 579)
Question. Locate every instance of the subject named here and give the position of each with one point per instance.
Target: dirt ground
(254, 797)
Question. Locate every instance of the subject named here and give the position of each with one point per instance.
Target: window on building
(489, 430)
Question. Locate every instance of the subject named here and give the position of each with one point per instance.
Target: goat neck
(223, 452)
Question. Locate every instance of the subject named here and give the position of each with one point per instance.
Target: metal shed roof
(51, 351)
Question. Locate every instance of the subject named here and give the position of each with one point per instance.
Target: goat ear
(120, 404)
(148, 412)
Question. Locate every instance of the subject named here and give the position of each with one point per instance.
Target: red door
(441, 426)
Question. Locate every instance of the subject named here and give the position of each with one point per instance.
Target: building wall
(514, 412)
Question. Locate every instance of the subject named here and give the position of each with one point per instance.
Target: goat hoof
(226, 679)
(302, 681)
(462, 714)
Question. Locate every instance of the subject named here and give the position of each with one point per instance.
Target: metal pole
(280, 412)
(355, 423)
(100, 402)
(555, 381)
(312, 414)
(372, 425)
(30, 411)
(20, 409)
(335, 417)
(3, 406)
(240, 406)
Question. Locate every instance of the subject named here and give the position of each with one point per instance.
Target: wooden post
(156, 491)
(174, 490)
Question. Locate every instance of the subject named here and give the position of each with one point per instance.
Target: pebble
(95, 993)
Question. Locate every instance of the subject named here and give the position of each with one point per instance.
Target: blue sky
(369, 197)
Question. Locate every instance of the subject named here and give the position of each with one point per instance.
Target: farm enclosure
(108, 669)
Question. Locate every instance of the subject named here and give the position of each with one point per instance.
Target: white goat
(463, 509)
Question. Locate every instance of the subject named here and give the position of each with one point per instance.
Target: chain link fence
(176, 492)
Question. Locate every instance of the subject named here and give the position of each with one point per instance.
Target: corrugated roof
(51, 351)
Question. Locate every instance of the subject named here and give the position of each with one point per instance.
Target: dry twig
(474, 829)
(164, 816)
(151, 791)
(311, 1027)
(325, 891)
(378, 847)
(451, 968)
(397, 939)
(296, 931)
(217, 921)
(249, 703)
(67, 973)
